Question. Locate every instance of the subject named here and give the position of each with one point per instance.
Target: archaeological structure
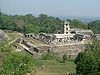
(69, 42)
(69, 36)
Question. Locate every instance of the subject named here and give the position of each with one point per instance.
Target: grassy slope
(53, 67)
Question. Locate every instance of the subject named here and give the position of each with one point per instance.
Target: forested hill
(43, 23)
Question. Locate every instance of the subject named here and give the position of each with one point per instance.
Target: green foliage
(95, 26)
(31, 28)
(49, 24)
(64, 58)
(17, 64)
(28, 23)
(49, 56)
(5, 48)
(52, 56)
(43, 23)
(14, 63)
(77, 24)
(88, 62)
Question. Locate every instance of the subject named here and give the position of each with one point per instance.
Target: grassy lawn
(52, 67)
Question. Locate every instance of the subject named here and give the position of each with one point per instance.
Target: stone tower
(66, 28)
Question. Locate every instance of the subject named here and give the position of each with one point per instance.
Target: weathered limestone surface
(3, 35)
(97, 36)
(71, 50)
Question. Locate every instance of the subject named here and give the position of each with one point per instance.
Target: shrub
(64, 58)
(17, 64)
(49, 56)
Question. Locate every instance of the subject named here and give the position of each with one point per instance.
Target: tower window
(66, 32)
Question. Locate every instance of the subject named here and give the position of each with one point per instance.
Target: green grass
(53, 67)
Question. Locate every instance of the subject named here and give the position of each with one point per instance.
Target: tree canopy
(15, 63)
(88, 62)
(95, 26)
(29, 23)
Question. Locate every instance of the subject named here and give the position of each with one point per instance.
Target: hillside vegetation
(43, 23)
(23, 63)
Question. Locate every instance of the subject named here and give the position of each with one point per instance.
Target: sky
(51, 7)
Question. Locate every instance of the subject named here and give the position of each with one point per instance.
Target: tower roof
(66, 22)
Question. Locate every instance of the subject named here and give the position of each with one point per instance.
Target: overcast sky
(51, 7)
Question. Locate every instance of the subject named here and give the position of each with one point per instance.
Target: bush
(49, 56)
(17, 64)
(64, 58)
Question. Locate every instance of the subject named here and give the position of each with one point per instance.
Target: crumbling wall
(70, 50)
(3, 35)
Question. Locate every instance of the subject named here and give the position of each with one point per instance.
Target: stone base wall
(70, 50)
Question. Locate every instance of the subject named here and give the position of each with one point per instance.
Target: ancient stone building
(68, 35)
(70, 42)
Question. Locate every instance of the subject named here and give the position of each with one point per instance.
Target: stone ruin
(69, 36)
(3, 35)
(97, 36)
(70, 42)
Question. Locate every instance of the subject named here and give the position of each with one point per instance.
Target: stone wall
(97, 36)
(71, 50)
(3, 35)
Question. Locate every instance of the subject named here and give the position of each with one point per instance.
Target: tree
(17, 64)
(20, 25)
(45, 23)
(64, 58)
(49, 24)
(31, 28)
(78, 24)
(95, 26)
(7, 22)
(88, 62)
